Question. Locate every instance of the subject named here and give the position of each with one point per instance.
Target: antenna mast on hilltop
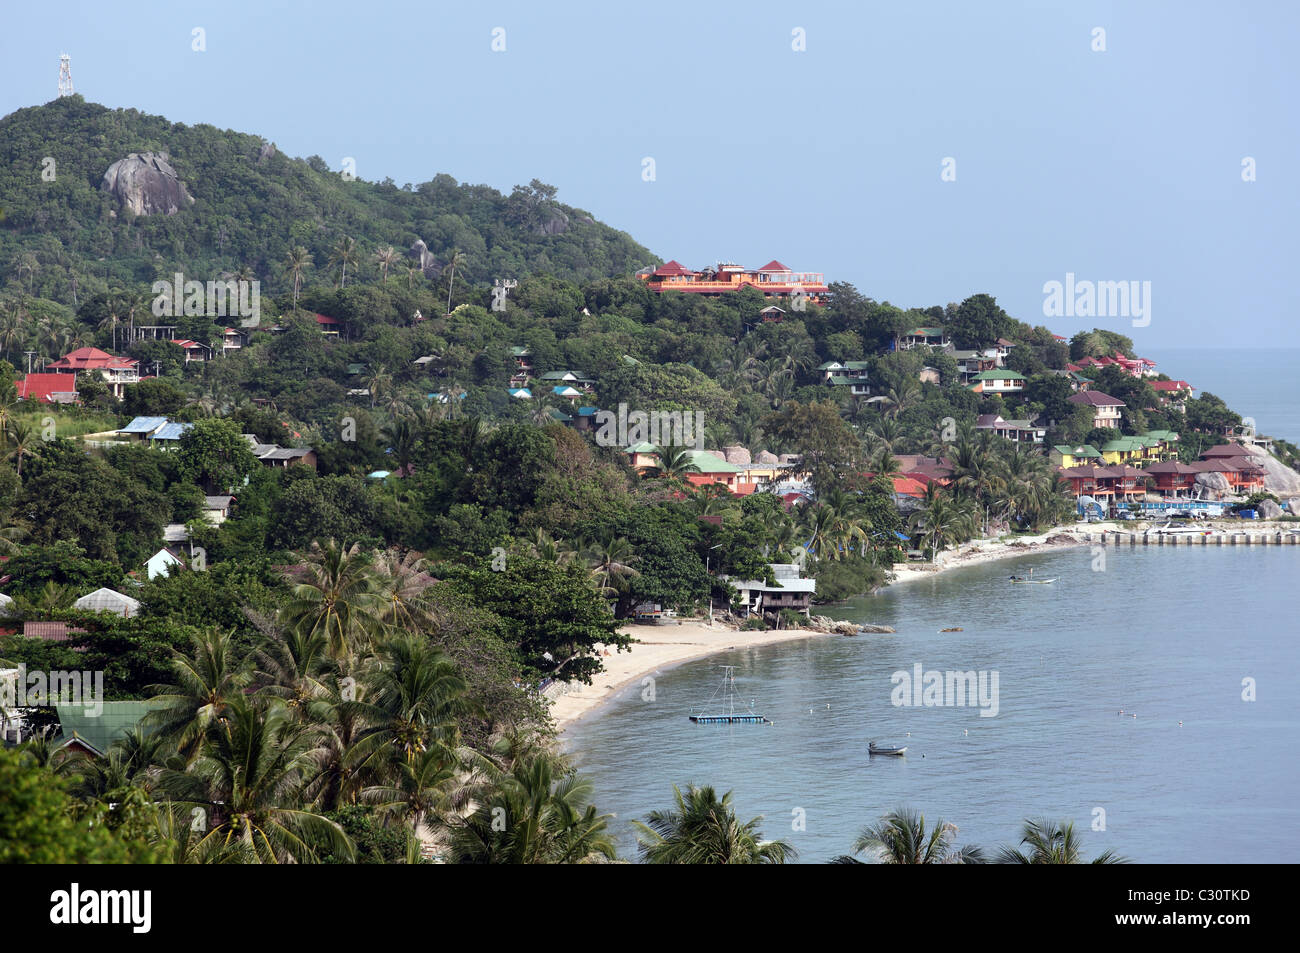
(65, 75)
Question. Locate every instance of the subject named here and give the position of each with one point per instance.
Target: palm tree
(548, 549)
(1052, 842)
(344, 253)
(402, 436)
(939, 522)
(385, 257)
(676, 462)
(423, 788)
(298, 261)
(414, 697)
(534, 809)
(342, 761)
(403, 586)
(899, 399)
(901, 838)
(23, 440)
(704, 830)
(611, 560)
(248, 779)
(884, 433)
(292, 666)
(412, 270)
(455, 260)
(207, 680)
(337, 597)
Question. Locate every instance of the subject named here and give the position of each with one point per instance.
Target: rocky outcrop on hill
(146, 184)
(1279, 479)
(420, 252)
(556, 224)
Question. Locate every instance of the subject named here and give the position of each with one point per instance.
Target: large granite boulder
(146, 184)
(766, 457)
(1269, 510)
(420, 252)
(1213, 481)
(557, 223)
(736, 454)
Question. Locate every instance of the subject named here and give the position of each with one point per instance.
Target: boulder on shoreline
(843, 627)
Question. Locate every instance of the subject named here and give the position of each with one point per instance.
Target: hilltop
(249, 203)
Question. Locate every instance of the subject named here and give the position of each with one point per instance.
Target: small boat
(724, 712)
(894, 750)
(1041, 582)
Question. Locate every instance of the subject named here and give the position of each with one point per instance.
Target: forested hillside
(251, 205)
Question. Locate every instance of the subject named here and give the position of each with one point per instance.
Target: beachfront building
(1244, 474)
(997, 382)
(774, 280)
(1105, 484)
(1105, 409)
(756, 597)
(1173, 478)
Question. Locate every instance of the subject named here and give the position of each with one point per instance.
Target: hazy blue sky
(1116, 165)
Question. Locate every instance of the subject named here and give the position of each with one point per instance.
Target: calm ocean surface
(1168, 634)
(1255, 383)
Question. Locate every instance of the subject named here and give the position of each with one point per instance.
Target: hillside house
(108, 600)
(920, 337)
(997, 381)
(1105, 409)
(49, 388)
(1017, 431)
(774, 280)
(117, 372)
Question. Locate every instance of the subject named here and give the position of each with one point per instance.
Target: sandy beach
(980, 551)
(661, 646)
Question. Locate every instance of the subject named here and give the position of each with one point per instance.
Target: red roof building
(773, 279)
(116, 371)
(49, 388)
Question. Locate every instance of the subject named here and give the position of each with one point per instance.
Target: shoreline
(978, 552)
(661, 647)
(667, 646)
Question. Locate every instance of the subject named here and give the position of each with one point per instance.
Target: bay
(1167, 634)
